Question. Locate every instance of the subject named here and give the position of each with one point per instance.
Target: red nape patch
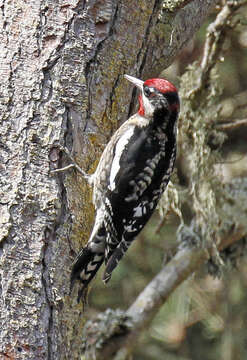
(141, 107)
(160, 84)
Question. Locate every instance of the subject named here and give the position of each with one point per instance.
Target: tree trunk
(61, 65)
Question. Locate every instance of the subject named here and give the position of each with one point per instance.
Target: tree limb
(215, 37)
(143, 310)
(235, 124)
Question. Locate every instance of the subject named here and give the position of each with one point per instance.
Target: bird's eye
(148, 92)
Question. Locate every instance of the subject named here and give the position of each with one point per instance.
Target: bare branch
(215, 37)
(235, 124)
(142, 311)
(185, 262)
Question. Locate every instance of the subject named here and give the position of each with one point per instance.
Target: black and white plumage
(131, 176)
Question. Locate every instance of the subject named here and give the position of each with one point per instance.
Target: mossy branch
(215, 37)
(108, 339)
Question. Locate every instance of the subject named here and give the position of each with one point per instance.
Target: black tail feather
(114, 260)
(84, 268)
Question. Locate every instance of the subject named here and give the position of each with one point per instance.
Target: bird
(132, 174)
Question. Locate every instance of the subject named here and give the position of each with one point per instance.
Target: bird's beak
(138, 83)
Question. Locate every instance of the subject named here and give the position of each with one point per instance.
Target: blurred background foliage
(206, 317)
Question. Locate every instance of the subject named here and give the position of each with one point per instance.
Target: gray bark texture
(62, 65)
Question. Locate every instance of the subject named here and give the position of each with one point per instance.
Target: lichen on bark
(61, 65)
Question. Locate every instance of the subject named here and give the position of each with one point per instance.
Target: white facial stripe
(148, 107)
(122, 142)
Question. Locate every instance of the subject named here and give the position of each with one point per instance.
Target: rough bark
(61, 66)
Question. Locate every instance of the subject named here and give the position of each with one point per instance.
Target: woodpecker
(131, 176)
